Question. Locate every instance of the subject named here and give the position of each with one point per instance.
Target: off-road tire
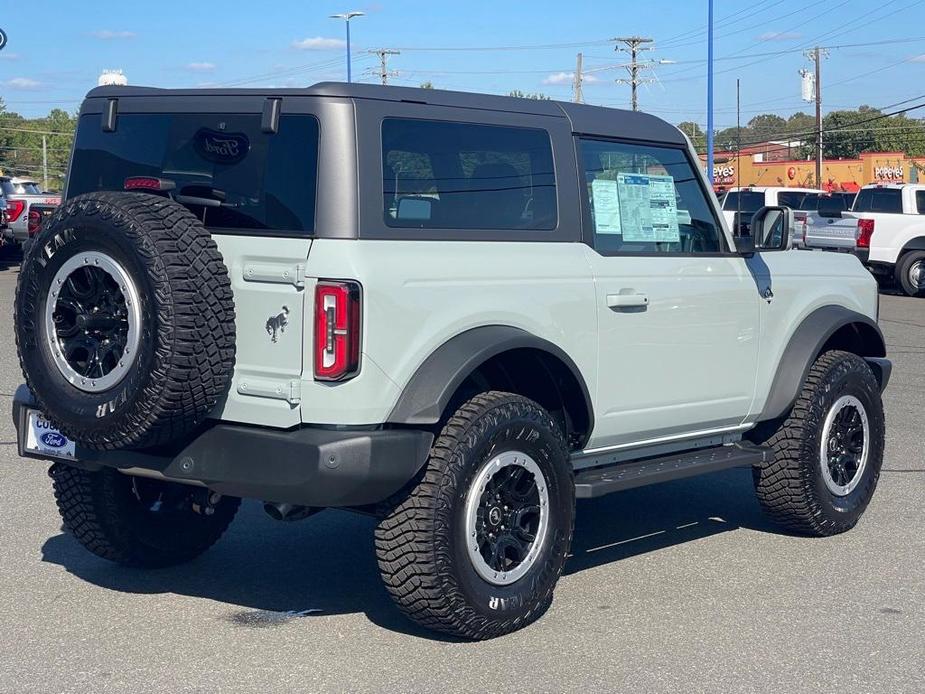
(100, 509)
(904, 270)
(790, 487)
(421, 544)
(185, 359)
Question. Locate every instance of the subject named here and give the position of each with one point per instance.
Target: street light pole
(347, 16)
(710, 91)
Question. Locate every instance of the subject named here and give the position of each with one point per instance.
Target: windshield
(746, 201)
(222, 166)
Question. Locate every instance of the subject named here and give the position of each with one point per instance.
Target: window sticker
(606, 206)
(648, 208)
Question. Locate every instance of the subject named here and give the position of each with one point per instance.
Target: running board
(615, 478)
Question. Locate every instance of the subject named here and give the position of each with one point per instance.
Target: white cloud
(9, 56)
(917, 58)
(780, 36)
(23, 83)
(318, 43)
(109, 34)
(567, 78)
(200, 67)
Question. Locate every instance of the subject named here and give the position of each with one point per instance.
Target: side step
(615, 478)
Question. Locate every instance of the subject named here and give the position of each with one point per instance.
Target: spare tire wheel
(125, 320)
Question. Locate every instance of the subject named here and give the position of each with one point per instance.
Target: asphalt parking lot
(679, 587)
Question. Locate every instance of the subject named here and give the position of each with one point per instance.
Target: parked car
(27, 207)
(885, 228)
(824, 226)
(455, 312)
(744, 202)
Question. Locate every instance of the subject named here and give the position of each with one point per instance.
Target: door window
(647, 199)
(920, 201)
(791, 199)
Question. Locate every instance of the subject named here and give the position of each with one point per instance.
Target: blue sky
(293, 43)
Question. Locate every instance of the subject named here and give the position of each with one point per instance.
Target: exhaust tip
(288, 512)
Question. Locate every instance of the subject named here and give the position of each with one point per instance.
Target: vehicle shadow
(272, 573)
(10, 257)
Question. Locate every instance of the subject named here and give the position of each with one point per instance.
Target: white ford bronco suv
(455, 312)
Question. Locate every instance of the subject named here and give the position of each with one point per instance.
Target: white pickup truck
(885, 228)
(745, 201)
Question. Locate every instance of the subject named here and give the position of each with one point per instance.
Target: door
(677, 312)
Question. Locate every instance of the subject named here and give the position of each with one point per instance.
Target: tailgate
(832, 233)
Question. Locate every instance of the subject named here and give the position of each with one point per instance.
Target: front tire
(910, 273)
(477, 546)
(136, 521)
(828, 452)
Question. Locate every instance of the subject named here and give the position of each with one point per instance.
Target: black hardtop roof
(585, 119)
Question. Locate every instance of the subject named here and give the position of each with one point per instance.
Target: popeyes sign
(888, 173)
(724, 174)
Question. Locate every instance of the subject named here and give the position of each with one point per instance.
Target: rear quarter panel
(419, 294)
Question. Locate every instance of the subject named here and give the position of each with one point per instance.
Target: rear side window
(647, 199)
(443, 175)
(746, 201)
(810, 202)
(244, 178)
(791, 200)
(920, 201)
(879, 200)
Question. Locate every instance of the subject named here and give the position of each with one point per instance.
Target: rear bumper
(308, 465)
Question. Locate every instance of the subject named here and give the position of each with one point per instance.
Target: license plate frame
(42, 440)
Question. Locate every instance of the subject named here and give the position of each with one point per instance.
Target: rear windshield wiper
(205, 196)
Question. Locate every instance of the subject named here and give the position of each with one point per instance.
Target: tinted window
(791, 200)
(647, 199)
(879, 200)
(746, 201)
(810, 202)
(264, 181)
(441, 175)
(920, 201)
(7, 187)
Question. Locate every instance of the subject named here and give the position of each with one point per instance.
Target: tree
(532, 95)
(697, 136)
(427, 85)
(766, 126)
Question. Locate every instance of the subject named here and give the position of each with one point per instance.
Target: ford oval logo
(53, 439)
(221, 148)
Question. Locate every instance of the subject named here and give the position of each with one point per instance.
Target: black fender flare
(427, 394)
(805, 345)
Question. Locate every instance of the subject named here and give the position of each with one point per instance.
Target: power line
(634, 45)
(384, 54)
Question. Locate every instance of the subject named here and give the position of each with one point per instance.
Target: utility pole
(44, 163)
(384, 54)
(816, 55)
(576, 82)
(634, 45)
(710, 158)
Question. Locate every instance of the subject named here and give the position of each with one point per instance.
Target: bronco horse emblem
(276, 325)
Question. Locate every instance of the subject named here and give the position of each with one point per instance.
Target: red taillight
(148, 183)
(337, 330)
(865, 231)
(14, 209)
(35, 222)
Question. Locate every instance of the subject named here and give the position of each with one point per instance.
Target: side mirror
(831, 206)
(772, 228)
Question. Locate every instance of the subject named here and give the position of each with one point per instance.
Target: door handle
(633, 300)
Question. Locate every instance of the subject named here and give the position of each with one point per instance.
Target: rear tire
(910, 273)
(821, 479)
(136, 521)
(455, 552)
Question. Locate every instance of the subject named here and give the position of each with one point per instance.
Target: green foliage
(845, 134)
(531, 95)
(21, 144)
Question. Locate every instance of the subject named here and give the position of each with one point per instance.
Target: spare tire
(125, 320)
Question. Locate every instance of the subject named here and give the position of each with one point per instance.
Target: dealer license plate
(44, 439)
